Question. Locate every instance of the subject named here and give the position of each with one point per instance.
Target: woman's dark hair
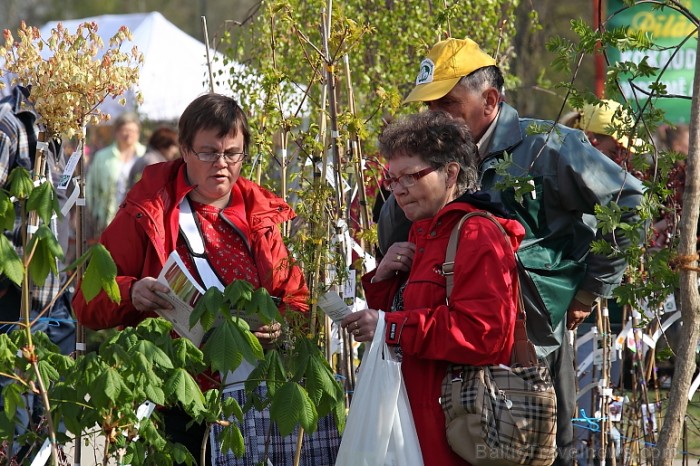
(436, 138)
(163, 138)
(213, 111)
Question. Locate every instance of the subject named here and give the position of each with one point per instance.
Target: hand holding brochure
(183, 295)
(333, 306)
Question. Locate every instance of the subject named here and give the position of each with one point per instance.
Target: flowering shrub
(77, 75)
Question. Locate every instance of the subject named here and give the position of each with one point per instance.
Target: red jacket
(476, 328)
(145, 231)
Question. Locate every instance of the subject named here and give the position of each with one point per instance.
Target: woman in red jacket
(238, 223)
(432, 173)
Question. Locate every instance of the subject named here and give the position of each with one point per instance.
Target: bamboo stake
(205, 32)
(284, 136)
(332, 110)
(607, 395)
(356, 154)
(647, 423)
(80, 247)
(27, 230)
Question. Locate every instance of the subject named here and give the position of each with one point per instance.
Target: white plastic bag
(379, 429)
(404, 448)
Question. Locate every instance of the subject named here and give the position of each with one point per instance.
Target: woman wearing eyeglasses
(432, 173)
(202, 199)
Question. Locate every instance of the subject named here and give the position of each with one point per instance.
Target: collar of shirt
(483, 144)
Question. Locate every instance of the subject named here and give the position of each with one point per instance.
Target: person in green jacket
(106, 182)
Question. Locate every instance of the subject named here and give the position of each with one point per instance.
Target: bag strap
(524, 354)
(195, 243)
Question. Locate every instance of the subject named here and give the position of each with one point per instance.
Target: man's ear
(452, 172)
(492, 97)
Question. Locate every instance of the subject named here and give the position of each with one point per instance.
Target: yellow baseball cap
(598, 119)
(447, 62)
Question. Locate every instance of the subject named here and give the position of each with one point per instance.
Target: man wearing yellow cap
(604, 124)
(561, 278)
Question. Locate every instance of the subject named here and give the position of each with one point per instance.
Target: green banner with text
(669, 30)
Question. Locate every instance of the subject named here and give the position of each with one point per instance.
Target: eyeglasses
(229, 157)
(407, 180)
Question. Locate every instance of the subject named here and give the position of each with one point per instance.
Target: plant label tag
(70, 167)
(43, 456)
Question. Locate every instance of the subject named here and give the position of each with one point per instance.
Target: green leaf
(257, 376)
(63, 363)
(20, 183)
(238, 293)
(148, 431)
(156, 355)
(12, 397)
(339, 414)
(44, 201)
(116, 353)
(230, 408)
(292, 406)
(100, 274)
(107, 388)
(7, 212)
(271, 370)
(8, 351)
(262, 304)
(181, 455)
(68, 406)
(48, 371)
(185, 354)
(185, 390)
(319, 379)
(231, 439)
(303, 351)
(154, 392)
(207, 308)
(179, 352)
(47, 250)
(10, 263)
(229, 344)
(141, 363)
(7, 426)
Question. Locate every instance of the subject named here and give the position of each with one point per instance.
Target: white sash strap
(193, 237)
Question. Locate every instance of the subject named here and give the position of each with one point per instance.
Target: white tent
(174, 71)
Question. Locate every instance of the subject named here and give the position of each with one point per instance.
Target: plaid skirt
(318, 449)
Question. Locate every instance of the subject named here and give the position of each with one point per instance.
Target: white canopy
(174, 71)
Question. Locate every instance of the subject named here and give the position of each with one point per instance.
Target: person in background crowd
(432, 174)
(107, 177)
(162, 146)
(672, 139)
(607, 126)
(561, 278)
(599, 122)
(238, 222)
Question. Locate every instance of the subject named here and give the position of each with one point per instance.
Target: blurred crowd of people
(114, 169)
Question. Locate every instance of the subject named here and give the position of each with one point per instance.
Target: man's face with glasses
(214, 165)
